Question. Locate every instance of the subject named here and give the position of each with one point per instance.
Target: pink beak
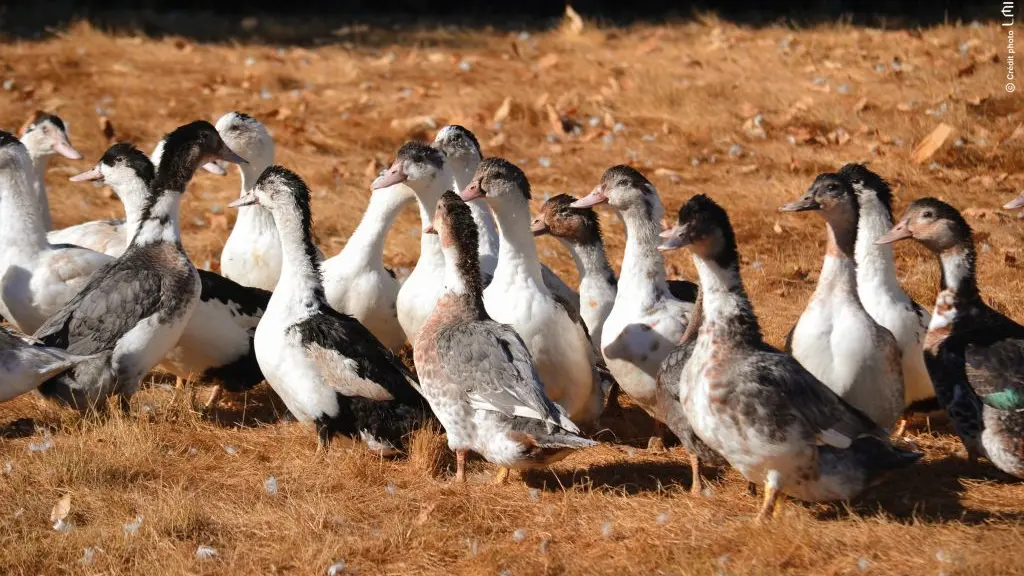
(93, 175)
(1016, 203)
(65, 149)
(597, 196)
(392, 176)
(471, 192)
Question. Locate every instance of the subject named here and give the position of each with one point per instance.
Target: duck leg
(214, 399)
(771, 495)
(696, 484)
(656, 442)
(460, 465)
(901, 427)
(501, 476)
(323, 439)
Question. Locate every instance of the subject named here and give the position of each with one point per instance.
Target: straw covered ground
(747, 115)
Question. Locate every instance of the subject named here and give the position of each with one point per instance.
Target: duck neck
(159, 220)
(489, 242)
(876, 271)
(725, 308)
(300, 271)
(463, 291)
(958, 279)
(21, 216)
(427, 195)
(839, 271)
(591, 263)
(40, 162)
(517, 256)
(643, 269)
(254, 214)
(133, 198)
(366, 243)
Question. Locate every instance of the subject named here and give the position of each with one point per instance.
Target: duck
(647, 319)
(555, 335)
(462, 151)
(423, 169)
(328, 368)
(216, 345)
(477, 374)
(36, 277)
(770, 418)
(1015, 204)
(133, 310)
(880, 292)
(25, 363)
(975, 354)
(128, 172)
(835, 338)
(356, 282)
(252, 253)
(45, 136)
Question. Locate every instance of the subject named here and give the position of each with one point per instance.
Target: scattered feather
(519, 535)
(230, 450)
(133, 527)
(42, 446)
(270, 485)
(205, 552)
(336, 568)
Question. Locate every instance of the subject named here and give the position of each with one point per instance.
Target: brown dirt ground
(682, 94)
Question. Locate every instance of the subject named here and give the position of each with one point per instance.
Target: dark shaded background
(306, 20)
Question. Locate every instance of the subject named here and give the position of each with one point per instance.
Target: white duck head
(422, 168)
(46, 135)
(251, 140)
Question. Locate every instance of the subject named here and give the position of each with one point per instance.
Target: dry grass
(681, 94)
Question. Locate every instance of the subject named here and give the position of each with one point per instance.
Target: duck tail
(879, 457)
(542, 448)
(85, 385)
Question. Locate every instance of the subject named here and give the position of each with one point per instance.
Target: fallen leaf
(573, 21)
(903, 107)
(667, 173)
(497, 141)
(861, 105)
(61, 509)
(966, 70)
(414, 124)
(932, 143)
(503, 111)
(748, 169)
(748, 110)
(547, 62)
(107, 128)
(425, 511)
(777, 228)
(648, 46)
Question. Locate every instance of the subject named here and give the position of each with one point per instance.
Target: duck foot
(460, 466)
(323, 440)
(901, 428)
(696, 484)
(501, 476)
(771, 495)
(214, 400)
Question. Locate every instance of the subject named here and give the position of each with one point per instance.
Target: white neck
(300, 278)
(876, 272)
(643, 267)
(839, 270)
(366, 244)
(427, 195)
(133, 198)
(40, 162)
(955, 269)
(517, 257)
(489, 241)
(253, 215)
(591, 263)
(453, 280)
(163, 223)
(21, 217)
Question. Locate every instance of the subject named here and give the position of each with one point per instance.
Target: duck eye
(927, 214)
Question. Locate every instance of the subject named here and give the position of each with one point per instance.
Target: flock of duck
(514, 364)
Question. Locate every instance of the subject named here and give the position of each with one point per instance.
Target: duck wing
(492, 364)
(353, 361)
(247, 303)
(835, 422)
(996, 372)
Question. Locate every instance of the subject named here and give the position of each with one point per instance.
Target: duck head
(499, 182)
(158, 154)
(622, 187)
(45, 135)
(558, 218)
(831, 195)
(13, 154)
(935, 224)
(459, 145)
(416, 164)
(703, 226)
(123, 167)
(867, 185)
(188, 147)
(249, 138)
(1015, 204)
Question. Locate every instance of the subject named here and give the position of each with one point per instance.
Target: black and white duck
(759, 408)
(326, 366)
(974, 353)
(133, 310)
(478, 374)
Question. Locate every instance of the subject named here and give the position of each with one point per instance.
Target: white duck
(356, 281)
(44, 136)
(36, 278)
(880, 290)
(553, 332)
(326, 366)
(133, 310)
(423, 169)
(252, 253)
(647, 321)
(835, 339)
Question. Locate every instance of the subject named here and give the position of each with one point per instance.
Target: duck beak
(471, 192)
(1015, 204)
(392, 176)
(429, 229)
(539, 227)
(802, 205)
(900, 231)
(673, 239)
(215, 168)
(597, 196)
(248, 200)
(93, 175)
(228, 155)
(65, 149)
